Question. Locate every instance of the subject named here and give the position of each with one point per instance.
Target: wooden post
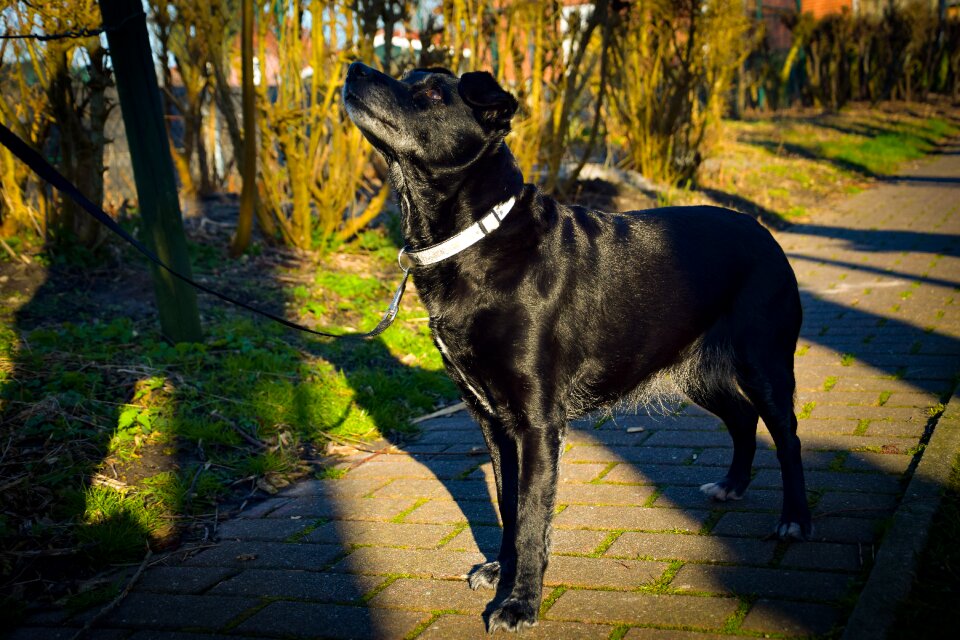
(152, 165)
(249, 169)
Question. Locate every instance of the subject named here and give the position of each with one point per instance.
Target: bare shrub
(675, 61)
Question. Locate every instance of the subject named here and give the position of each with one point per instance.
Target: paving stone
(452, 437)
(441, 564)
(754, 525)
(839, 481)
(271, 529)
(753, 500)
(411, 468)
(454, 626)
(765, 459)
(433, 595)
(601, 572)
(843, 529)
(689, 439)
(642, 608)
(648, 633)
(787, 583)
(602, 494)
(261, 555)
(487, 539)
(168, 611)
(913, 430)
(886, 463)
(303, 619)
(474, 512)
(570, 472)
(790, 618)
(348, 486)
(356, 509)
(426, 536)
(64, 633)
(446, 490)
(263, 508)
(659, 474)
(174, 635)
(824, 555)
(664, 455)
(299, 585)
(188, 580)
(672, 546)
(866, 505)
(650, 519)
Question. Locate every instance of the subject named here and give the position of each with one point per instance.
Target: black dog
(562, 310)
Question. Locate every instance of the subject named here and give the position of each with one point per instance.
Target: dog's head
(430, 117)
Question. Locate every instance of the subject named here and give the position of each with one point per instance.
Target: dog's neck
(437, 205)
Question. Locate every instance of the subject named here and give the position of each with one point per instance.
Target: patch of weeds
(732, 624)
(605, 544)
(806, 410)
(457, 530)
(603, 473)
(883, 398)
(550, 599)
(838, 461)
(330, 473)
(84, 600)
(403, 514)
(915, 347)
(830, 383)
(847, 359)
(936, 410)
(710, 522)
(653, 497)
(867, 339)
(662, 584)
(618, 632)
(802, 351)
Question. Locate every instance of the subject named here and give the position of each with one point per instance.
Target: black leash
(48, 173)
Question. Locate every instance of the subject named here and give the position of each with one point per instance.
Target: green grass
(930, 610)
(178, 430)
(787, 165)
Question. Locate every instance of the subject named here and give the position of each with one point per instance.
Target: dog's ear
(495, 106)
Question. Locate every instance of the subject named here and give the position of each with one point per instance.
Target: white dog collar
(466, 238)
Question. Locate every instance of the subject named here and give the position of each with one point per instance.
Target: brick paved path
(638, 551)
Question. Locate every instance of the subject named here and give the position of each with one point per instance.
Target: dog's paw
(513, 615)
(721, 491)
(788, 531)
(486, 576)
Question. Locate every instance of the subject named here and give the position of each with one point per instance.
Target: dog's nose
(358, 70)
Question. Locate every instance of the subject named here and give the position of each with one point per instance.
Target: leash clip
(411, 264)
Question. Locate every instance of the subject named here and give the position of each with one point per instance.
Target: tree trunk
(249, 168)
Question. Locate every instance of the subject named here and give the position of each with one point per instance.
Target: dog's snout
(358, 70)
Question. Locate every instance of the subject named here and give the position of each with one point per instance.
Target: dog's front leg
(503, 455)
(539, 454)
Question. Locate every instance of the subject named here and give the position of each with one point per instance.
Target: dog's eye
(433, 95)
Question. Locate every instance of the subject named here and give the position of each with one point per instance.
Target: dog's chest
(460, 372)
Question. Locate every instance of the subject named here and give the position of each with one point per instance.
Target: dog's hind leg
(503, 455)
(740, 418)
(771, 390)
(539, 448)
